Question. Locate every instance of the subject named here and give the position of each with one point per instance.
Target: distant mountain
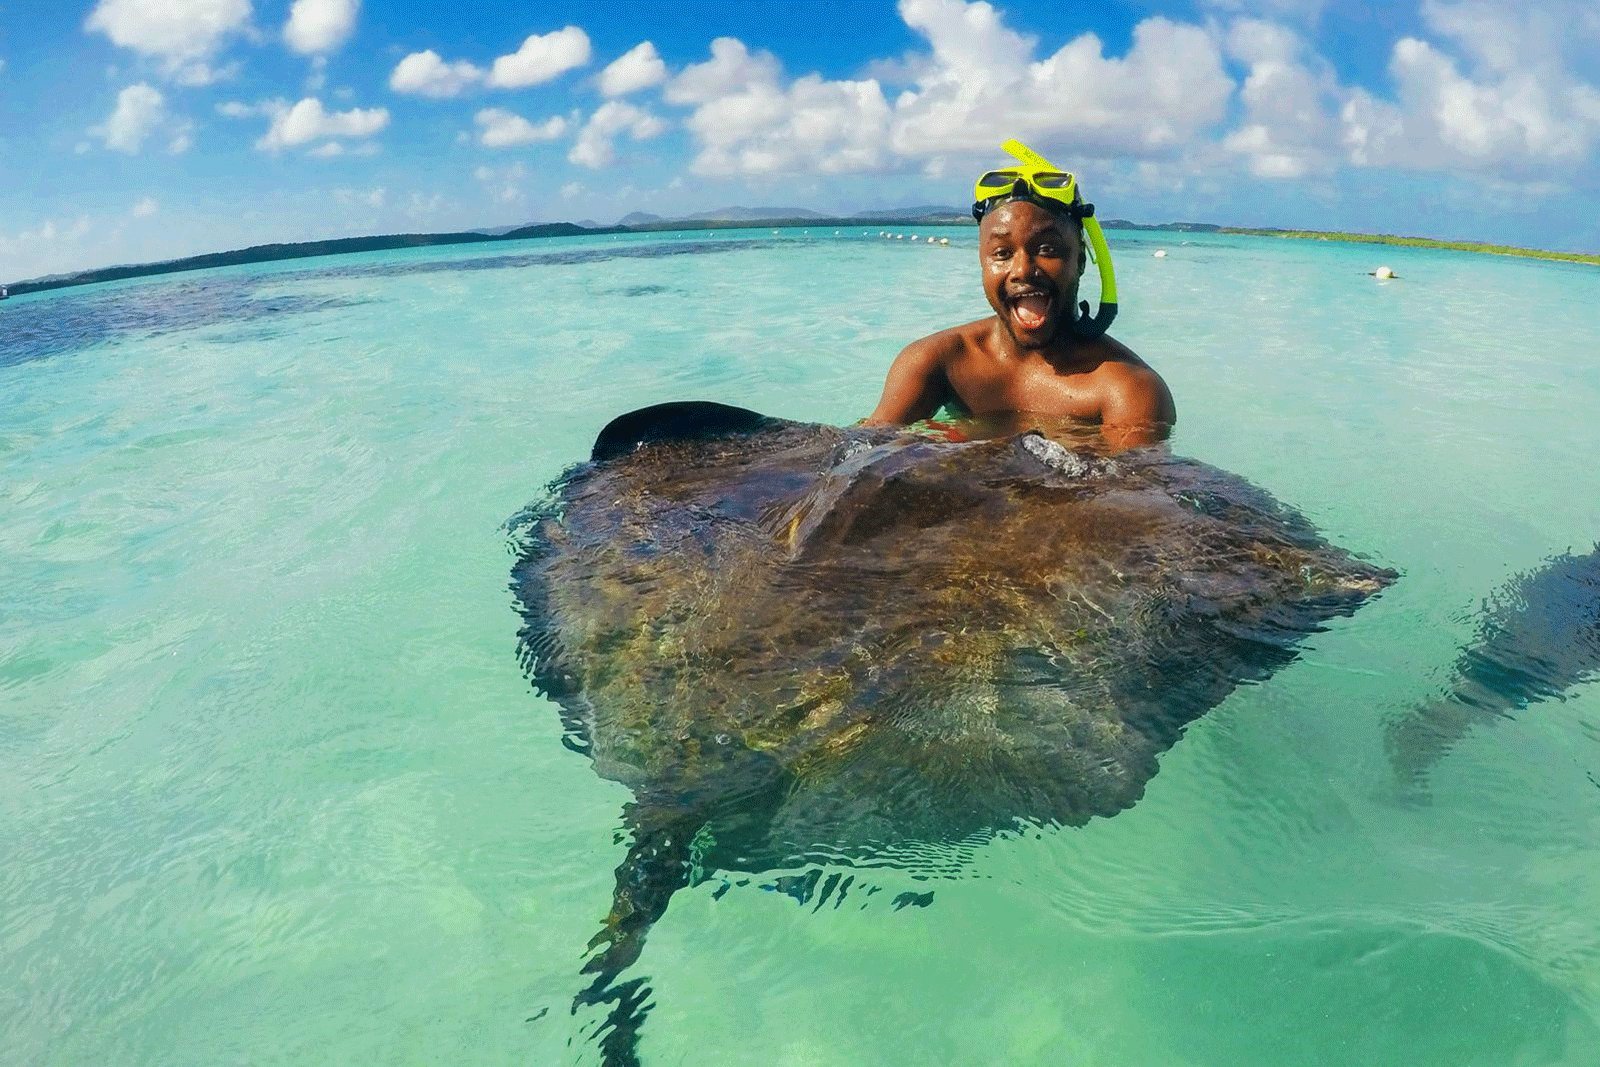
(930, 213)
(255, 254)
(587, 224)
(727, 218)
(917, 214)
(754, 214)
(638, 221)
(1166, 227)
(554, 229)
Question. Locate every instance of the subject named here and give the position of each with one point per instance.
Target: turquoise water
(274, 789)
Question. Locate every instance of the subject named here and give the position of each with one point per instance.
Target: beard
(1059, 327)
(1034, 342)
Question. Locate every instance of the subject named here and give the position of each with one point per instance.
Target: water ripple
(40, 328)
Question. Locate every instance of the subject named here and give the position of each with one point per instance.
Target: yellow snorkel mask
(1056, 190)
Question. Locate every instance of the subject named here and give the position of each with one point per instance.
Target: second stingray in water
(795, 641)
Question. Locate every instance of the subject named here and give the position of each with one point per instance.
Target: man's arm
(916, 385)
(1138, 408)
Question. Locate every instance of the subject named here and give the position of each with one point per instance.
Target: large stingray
(794, 641)
(1539, 637)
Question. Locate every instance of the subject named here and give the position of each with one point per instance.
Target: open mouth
(1030, 308)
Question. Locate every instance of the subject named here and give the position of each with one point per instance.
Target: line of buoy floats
(940, 241)
(1382, 274)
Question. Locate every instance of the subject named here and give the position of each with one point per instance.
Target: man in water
(1027, 357)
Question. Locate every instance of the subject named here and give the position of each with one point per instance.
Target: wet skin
(1026, 357)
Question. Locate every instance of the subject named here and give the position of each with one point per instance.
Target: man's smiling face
(1032, 260)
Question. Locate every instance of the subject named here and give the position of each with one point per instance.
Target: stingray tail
(1540, 636)
(1424, 736)
(657, 865)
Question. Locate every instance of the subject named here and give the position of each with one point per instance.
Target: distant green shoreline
(344, 245)
(1419, 242)
(275, 253)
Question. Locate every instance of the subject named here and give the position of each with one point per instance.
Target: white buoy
(899, 237)
(1383, 274)
(1161, 253)
(944, 240)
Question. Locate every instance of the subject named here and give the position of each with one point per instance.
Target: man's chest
(987, 387)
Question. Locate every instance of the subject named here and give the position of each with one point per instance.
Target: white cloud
(317, 79)
(1305, 11)
(180, 137)
(1167, 90)
(1258, 41)
(732, 68)
(183, 35)
(594, 148)
(976, 78)
(1290, 100)
(238, 109)
(1507, 102)
(336, 149)
(427, 74)
(486, 173)
(47, 247)
(638, 68)
(372, 198)
(541, 58)
(422, 206)
(139, 112)
(145, 208)
(503, 184)
(1503, 40)
(308, 121)
(197, 74)
(746, 121)
(499, 128)
(571, 189)
(318, 26)
(1442, 116)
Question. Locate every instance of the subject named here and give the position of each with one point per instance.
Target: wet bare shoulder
(952, 342)
(1131, 389)
(1112, 352)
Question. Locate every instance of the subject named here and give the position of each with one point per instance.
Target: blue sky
(133, 130)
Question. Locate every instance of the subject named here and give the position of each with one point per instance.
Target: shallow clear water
(274, 788)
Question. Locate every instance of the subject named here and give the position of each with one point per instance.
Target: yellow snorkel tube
(1044, 182)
